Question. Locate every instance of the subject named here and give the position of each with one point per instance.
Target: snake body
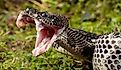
(75, 42)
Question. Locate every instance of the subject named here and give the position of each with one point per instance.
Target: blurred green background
(97, 16)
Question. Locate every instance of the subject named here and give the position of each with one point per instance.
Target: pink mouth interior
(44, 34)
(45, 37)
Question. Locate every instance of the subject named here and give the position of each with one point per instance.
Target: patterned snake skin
(107, 53)
(80, 44)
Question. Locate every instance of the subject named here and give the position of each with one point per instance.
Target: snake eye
(44, 14)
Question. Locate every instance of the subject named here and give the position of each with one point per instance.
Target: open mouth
(45, 38)
(46, 34)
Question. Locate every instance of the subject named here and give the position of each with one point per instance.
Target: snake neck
(76, 42)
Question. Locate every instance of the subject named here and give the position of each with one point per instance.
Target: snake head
(48, 26)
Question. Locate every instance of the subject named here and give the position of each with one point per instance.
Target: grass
(16, 44)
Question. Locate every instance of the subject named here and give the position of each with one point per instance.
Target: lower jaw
(44, 46)
(41, 48)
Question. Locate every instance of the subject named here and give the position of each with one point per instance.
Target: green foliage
(97, 16)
